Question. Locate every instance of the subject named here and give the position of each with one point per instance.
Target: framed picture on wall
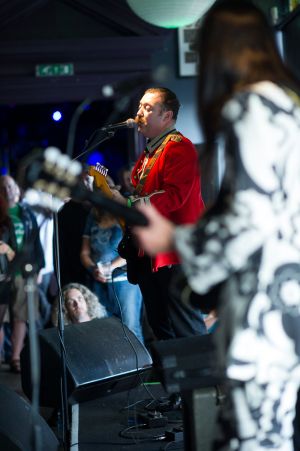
(187, 57)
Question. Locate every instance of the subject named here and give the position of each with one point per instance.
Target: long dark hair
(236, 47)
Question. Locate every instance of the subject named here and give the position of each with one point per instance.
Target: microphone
(130, 123)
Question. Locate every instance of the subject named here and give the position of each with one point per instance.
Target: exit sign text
(54, 70)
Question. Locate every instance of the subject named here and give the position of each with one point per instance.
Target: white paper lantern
(170, 13)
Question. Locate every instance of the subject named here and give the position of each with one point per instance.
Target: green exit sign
(54, 70)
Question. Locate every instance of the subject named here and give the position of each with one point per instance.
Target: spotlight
(94, 158)
(57, 116)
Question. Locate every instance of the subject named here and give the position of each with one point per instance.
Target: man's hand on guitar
(105, 183)
(117, 196)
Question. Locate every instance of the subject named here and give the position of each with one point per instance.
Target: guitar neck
(50, 177)
(99, 173)
(130, 216)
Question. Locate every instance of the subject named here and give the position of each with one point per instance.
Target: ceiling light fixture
(170, 13)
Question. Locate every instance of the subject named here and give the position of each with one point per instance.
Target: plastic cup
(105, 268)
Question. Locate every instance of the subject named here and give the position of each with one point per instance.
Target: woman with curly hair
(79, 305)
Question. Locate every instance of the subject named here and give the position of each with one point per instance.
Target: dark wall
(291, 39)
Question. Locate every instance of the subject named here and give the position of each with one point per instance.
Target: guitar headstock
(48, 178)
(101, 169)
(99, 172)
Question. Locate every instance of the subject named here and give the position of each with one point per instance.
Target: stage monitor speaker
(186, 363)
(16, 433)
(200, 411)
(100, 358)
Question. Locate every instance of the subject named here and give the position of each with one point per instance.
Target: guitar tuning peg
(70, 179)
(63, 162)
(52, 154)
(75, 168)
(52, 188)
(67, 170)
(40, 185)
(52, 159)
(64, 193)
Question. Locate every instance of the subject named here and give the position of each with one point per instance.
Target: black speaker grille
(101, 358)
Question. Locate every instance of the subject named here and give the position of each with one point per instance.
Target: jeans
(124, 300)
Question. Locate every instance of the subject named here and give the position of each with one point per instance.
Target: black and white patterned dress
(250, 244)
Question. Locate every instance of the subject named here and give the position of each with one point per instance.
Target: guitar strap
(172, 137)
(127, 248)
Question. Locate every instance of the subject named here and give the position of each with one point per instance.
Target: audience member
(8, 248)
(101, 237)
(124, 177)
(71, 222)
(45, 277)
(79, 305)
(29, 251)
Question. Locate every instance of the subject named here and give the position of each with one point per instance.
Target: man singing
(167, 176)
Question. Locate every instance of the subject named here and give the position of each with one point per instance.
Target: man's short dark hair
(170, 101)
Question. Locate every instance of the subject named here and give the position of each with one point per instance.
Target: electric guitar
(49, 177)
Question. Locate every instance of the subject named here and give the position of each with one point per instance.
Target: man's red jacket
(173, 187)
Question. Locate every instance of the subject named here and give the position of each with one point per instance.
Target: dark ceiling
(104, 39)
(107, 44)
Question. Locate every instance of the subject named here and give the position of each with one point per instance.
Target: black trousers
(167, 316)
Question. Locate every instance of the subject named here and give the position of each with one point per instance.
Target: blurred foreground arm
(158, 236)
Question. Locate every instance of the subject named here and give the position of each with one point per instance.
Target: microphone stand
(20, 263)
(73, 124)
(29, 273)
(120, 105)
(65, 421)
(35, 371)
(97, 137)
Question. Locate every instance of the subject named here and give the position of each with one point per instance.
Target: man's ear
(168, 115)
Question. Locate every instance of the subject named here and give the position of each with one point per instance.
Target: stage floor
(115, 422)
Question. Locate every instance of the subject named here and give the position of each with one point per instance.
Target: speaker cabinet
(200, 411)
(16, 430)
(102, 357)
(186, 363)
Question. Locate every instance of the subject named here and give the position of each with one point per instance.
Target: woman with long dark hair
(245, 251)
